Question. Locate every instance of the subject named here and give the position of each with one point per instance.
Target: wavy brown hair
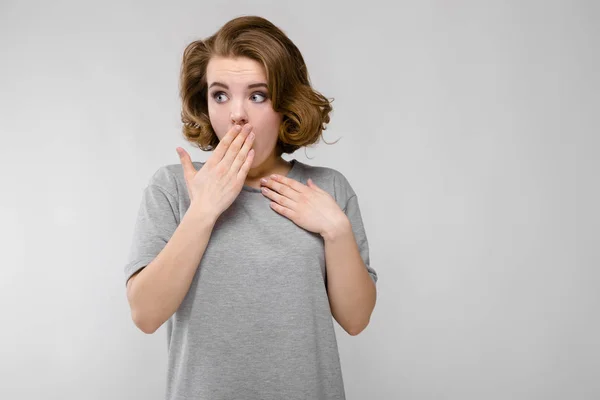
(305, 111)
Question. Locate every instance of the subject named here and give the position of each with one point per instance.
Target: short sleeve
(156, 221)
(352, 210)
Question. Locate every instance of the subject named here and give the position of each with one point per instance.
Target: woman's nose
(239, 116)
(235, 120)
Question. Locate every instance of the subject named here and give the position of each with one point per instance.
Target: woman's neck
(276, 165)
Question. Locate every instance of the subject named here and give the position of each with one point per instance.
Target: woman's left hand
(309, 207)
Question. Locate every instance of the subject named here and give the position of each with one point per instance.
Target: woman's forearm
(158, 289)
(351, 290)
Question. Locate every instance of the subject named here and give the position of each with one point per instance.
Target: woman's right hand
(217, 184)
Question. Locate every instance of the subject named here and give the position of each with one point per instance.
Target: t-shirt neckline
(294, 163)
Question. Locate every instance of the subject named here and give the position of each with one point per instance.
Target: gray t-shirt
(256, 322)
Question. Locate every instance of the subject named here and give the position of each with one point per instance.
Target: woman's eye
(216, 95)
(260, 95)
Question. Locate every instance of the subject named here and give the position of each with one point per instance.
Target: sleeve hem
(135, 266)
(373, 277)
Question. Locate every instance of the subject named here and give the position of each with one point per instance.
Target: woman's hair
(305, 111)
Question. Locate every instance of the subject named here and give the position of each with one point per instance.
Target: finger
(241, 156)
(186, 162)
(292, 183)
(246, 166)
(286, 212)
(283, 189)
(235, 146)
(224, 144)
(278, 198)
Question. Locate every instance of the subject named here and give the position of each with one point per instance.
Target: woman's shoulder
(328, 178)
(170, 178)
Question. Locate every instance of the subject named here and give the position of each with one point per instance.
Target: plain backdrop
(468, 129)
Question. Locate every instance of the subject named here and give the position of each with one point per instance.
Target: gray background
(469, 131)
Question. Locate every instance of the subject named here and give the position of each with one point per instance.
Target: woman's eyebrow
(253, 85)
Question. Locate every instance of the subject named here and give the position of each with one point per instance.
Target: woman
(246, 256)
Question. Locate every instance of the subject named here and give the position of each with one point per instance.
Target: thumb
(186, 162)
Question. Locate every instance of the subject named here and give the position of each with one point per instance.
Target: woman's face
(237, 94)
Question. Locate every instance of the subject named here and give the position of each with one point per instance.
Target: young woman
(246, 256)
